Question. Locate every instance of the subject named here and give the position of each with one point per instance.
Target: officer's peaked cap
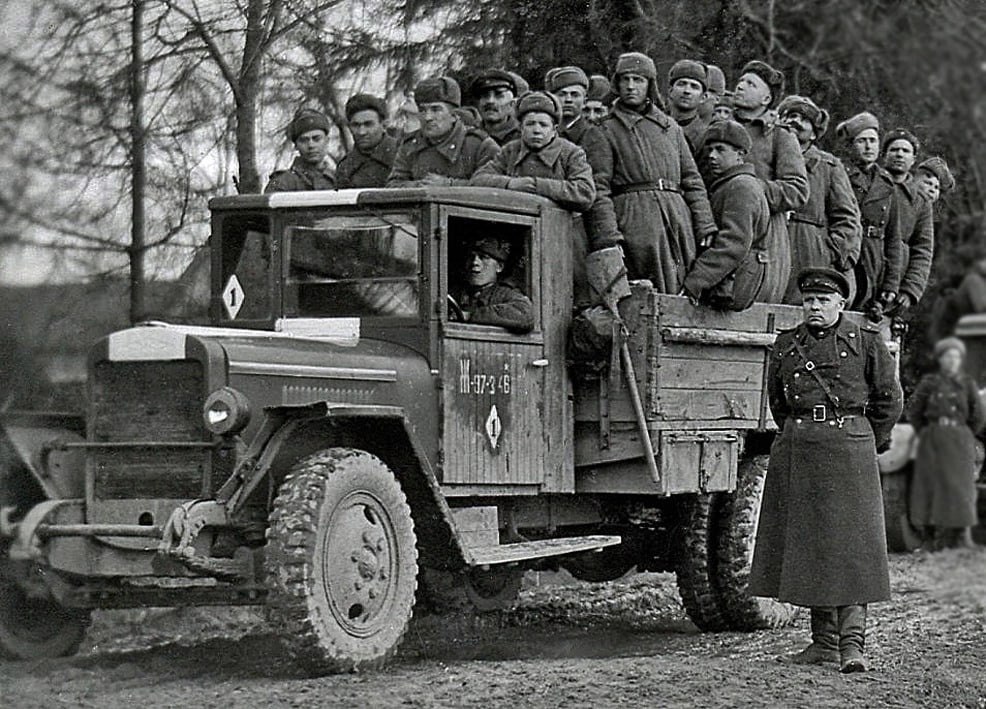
(493, 79)
(823, 280)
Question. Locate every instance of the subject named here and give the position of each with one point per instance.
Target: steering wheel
(455, 313)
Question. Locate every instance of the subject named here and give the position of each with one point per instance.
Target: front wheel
(341, 561)
(738, 521)
(35, 628)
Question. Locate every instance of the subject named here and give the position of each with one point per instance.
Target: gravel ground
(565, 644)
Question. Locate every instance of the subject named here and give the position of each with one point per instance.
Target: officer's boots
(852, 638)
(824, 640)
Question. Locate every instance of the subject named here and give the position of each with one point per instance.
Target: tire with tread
(36, 628)
(901, 534)
(738, 520)
(695, 570)
(341, 561)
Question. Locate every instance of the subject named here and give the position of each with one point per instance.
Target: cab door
(493, 423)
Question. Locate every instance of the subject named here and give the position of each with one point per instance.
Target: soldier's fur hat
(771, 76)
(729, 132)
(498, 249)
(851, 127)
(823, 280)
(561, 76)
(600, 89)
(818, 117)
(638, 63)
(939, 168)
(438, 89)
(689, 69)
(539, 101)
(365, 102)
(717, 80)
(307, 119)
(949, 343)
(900, 134)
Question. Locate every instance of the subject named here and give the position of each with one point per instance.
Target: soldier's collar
(451, 144)
(505, 128)
(549, 154)
(629, 117)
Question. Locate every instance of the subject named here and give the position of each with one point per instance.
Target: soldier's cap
(561, 76)
(939, 168)
(521, 86)
(539, 101)
(307, 119)
(729, 132)
(635, 63)
(689, 69)
(771, 76)
(949, 343)
(365, 102)
(498, 249)
(468, 115)
(901, 134)
(438, 89)
(822, 280)
(492, 79)
(818, 117)
(851, 127)
(717, 80)
(600, 89)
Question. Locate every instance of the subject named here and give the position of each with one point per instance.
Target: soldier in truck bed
(821, 542)
(309, 131)
(486, 301)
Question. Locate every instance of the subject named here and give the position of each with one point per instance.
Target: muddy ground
(566, 644)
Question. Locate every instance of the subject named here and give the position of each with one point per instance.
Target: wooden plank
(522, 551)
(697, 404)
(712, 353)
(711, 374)
(677, 311)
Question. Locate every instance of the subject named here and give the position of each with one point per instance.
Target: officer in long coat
(369, 163)
(660, 204)
(443, 151)
(541, 162)
(777, 159)
(730, 273)
(821, 543)
(826, 231)
(311, 170)
(880, 259)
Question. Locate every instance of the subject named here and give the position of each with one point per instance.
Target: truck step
(523, 551)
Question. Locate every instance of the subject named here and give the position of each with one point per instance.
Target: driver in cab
(486, 301)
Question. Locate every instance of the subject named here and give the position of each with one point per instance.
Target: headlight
(226, 411)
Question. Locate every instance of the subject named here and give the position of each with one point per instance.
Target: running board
(524, 551)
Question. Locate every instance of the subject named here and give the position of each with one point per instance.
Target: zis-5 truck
(336, 445)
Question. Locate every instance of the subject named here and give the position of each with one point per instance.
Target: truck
(337, 445)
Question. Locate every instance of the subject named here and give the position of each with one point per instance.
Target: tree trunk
(246, 100)
(139, 169)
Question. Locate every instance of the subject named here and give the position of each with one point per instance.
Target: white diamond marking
(233, 296)
(493, 427)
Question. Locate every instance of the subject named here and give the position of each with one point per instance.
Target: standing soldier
(687, 82)
(826, 231)
(917, 229)
(777, 158)
(369, 162)
(598, 99)
(309, 131)
(444, 151)
(495, 94)
(878, 269)
(715, 90)
(932, 178)
(834, 394)
(660, 203)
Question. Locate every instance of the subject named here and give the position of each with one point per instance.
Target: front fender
(60, 473)
(903, 440)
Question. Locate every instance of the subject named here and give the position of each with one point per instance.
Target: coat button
(797, 420)
(843, 354)
(852, 334)
(797, 374)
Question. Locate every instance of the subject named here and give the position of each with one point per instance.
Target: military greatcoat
(660, 203)
(498, 304)
(359, 169)
(946, 412)
(826, 232)
(777, 159)
(917, 232)
(457, 156)
(301, 176)
(821, 538)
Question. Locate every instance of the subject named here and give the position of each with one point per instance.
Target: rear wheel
(35, 628)
(471, 590)
(695, 570)
(739, 518)
(901, 534)
(341, 561)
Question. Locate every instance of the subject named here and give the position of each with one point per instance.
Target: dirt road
(575, 645)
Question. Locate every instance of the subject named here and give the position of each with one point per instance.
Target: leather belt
(820, 413)
(661, 185)
(947, 421)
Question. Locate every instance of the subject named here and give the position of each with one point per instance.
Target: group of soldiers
(719, 195)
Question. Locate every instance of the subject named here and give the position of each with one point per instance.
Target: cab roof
(480, 197)
(971, 325)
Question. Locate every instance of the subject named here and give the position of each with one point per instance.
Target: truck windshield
(352, 265)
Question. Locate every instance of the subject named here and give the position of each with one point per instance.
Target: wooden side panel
(493, 408)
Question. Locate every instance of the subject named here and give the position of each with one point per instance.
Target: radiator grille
(147, 401)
